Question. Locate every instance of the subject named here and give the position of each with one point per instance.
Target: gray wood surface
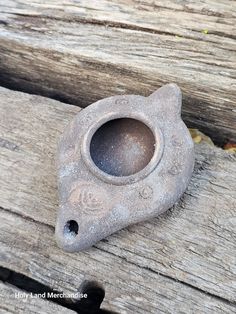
(81, 51)
(181, 262)
(9, 303)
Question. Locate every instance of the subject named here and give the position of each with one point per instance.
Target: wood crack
(121, 56)
(226, 301)
(113, 24)
(204, 11)
(30, 285)
(34, 287)
(193, 243)
(96, 22)
(27, 218)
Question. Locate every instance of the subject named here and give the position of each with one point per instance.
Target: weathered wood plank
(194, 243)
(83, 51)
(29, 247)
(9, 303)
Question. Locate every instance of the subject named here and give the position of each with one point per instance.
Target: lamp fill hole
(122, 147)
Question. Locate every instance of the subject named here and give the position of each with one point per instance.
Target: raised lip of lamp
(159, 147)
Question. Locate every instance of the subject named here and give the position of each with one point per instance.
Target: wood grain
(83, 51)
(182, 262)
(9, 303)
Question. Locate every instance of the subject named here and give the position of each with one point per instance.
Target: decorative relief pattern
(89, 198)
(176, 141)
(89, 117)
(89, 201)
(121, 101)
(146, 192)
(176, 168)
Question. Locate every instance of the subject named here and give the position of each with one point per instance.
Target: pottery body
(122, 160)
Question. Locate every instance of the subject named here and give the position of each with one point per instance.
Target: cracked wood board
(83, 51)
(10, 304)
(184, 260)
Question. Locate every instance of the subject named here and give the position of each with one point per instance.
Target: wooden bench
(77, 52)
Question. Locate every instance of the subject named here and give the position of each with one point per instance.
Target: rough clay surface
(94, 204)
